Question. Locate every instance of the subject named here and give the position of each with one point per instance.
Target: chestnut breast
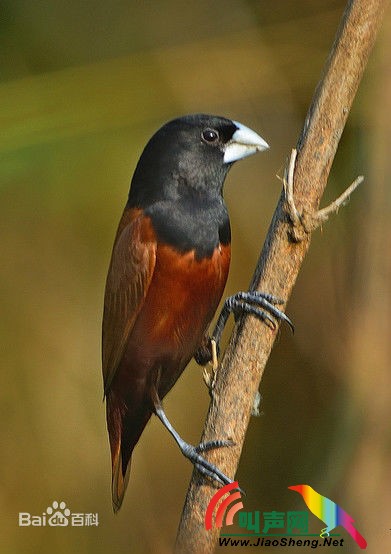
(181, 301)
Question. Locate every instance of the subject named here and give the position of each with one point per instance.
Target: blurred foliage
(82, 87)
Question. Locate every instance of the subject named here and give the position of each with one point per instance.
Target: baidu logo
(58, 515)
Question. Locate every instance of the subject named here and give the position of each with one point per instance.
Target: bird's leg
(260, 304)
(191, 452)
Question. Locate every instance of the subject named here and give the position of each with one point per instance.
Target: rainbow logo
(223, 507)
(329, 512)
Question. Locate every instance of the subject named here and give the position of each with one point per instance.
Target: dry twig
(306, 222)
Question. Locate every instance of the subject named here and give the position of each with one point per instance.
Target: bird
(329, 512)
(166, 277)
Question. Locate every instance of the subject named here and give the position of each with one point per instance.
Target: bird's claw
(260, 304)
(204, 467)
(210, 445)
(243, 302)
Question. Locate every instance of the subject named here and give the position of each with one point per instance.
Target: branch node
(304, 223)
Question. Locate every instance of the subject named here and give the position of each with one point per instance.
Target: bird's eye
(210, 135)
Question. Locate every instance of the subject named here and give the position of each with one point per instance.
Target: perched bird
(329, 512)
(167, 273)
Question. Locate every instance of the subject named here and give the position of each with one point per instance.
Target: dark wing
(130, 273)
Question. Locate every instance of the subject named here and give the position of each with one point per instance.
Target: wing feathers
(130, 273)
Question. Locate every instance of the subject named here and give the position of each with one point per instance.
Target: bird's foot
(206, 468)
(191, 452)
(260, 304)
(210, 445)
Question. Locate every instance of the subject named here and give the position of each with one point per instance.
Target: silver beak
(244, 142)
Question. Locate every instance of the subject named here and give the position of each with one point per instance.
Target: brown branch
(241, 370)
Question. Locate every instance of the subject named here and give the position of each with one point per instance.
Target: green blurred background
(83, 86)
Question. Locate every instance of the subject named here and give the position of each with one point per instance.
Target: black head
(190, 156)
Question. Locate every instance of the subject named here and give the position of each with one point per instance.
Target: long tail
(124, 429)
(362, 543)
